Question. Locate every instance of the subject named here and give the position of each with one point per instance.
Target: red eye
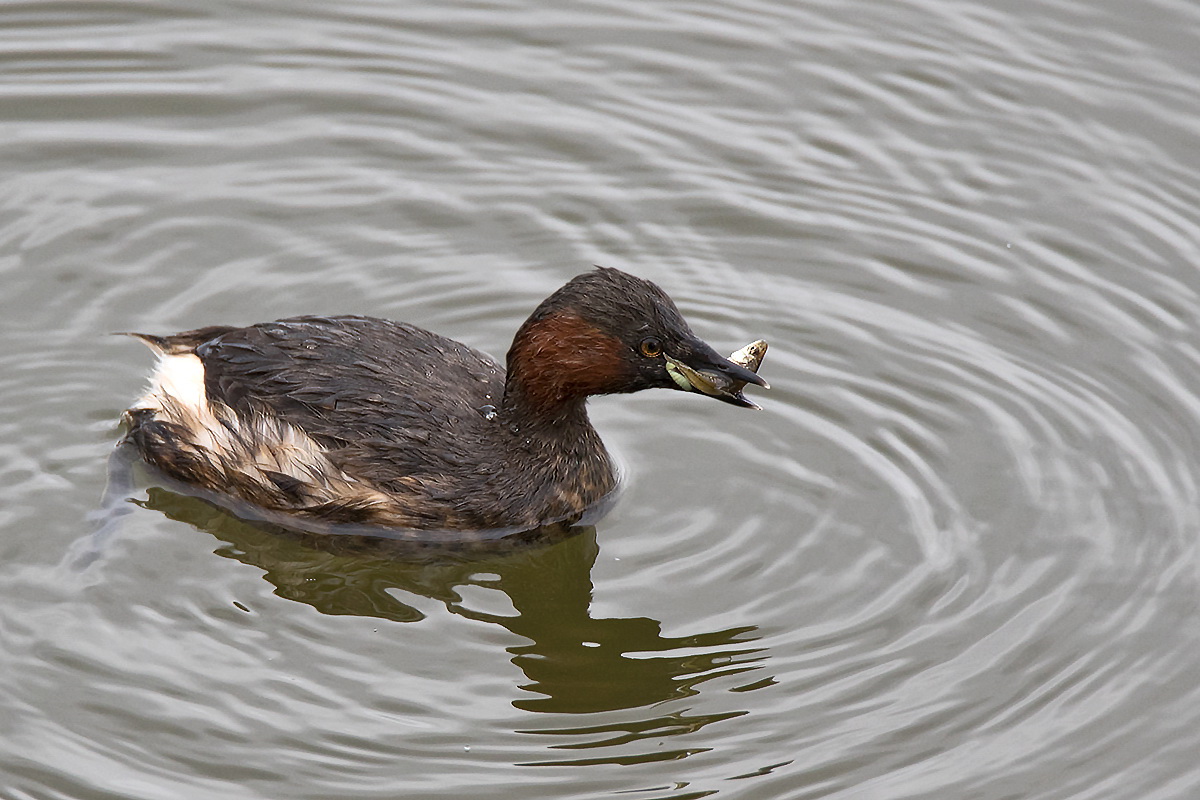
(651, 348)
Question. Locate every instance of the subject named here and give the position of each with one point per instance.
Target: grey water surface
(954, 557)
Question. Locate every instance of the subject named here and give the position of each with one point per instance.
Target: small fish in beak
(723, 379)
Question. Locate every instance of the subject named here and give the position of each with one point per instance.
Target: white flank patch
(179, 377)
(246, 448)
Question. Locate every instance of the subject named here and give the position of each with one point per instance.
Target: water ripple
(956, 554)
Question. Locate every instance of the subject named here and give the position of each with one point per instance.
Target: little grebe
(360, 420)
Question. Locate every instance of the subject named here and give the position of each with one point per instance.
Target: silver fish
(716, 384)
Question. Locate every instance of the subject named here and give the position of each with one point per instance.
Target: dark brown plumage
(362, 420)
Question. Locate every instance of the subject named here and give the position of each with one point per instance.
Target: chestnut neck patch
(561, 359)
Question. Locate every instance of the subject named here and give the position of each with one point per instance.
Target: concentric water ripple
(955, 556)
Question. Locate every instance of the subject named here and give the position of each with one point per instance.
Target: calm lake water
(956, 556)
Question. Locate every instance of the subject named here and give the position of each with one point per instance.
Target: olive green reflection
(574, 663)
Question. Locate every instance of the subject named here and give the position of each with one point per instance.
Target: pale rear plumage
(261, 449)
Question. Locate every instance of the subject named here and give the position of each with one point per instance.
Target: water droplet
(489, 412)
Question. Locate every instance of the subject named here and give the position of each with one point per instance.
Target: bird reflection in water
(574, 663)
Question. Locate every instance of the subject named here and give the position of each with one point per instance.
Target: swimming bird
(352, 419)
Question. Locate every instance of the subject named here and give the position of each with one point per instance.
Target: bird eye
(651, 348)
